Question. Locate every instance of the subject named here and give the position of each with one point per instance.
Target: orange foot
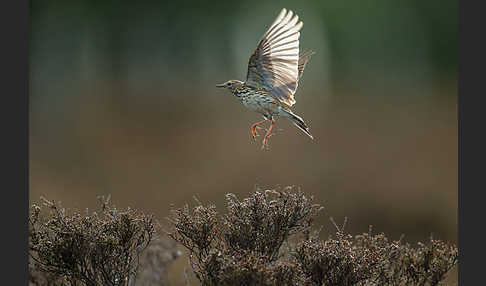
(254, 128)
(267, 136)
(265, 142)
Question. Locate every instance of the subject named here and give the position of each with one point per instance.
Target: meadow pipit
(274, 70)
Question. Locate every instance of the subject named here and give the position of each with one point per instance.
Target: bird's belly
(251, 104)
(260, 104)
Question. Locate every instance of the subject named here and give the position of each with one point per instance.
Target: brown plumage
(274, 70)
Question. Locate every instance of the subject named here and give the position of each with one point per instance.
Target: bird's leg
(255, 126)
(268, 135)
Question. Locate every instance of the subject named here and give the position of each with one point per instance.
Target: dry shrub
(98, 248)
(244, 247)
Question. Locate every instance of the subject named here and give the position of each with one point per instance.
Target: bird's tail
(297, 121)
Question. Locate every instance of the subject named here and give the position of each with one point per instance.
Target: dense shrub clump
(242, 247)
(338, 261)
(265, 240)
(368, 259)
(98, 248)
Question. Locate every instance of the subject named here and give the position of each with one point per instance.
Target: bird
(274, 70)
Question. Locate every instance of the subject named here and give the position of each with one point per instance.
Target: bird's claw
(254, 132)
(265, 145)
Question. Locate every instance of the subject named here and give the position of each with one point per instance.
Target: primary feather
(276, 64)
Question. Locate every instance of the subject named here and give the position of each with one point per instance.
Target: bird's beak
(220, 85)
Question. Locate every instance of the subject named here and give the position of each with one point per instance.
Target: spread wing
(274, 65)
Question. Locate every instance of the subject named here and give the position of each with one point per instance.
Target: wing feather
(275, 64)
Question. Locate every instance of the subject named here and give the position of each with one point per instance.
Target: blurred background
(123, 102)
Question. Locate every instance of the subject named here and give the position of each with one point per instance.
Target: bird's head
(230, 84)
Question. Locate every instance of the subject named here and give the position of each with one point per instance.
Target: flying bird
(274, 70)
